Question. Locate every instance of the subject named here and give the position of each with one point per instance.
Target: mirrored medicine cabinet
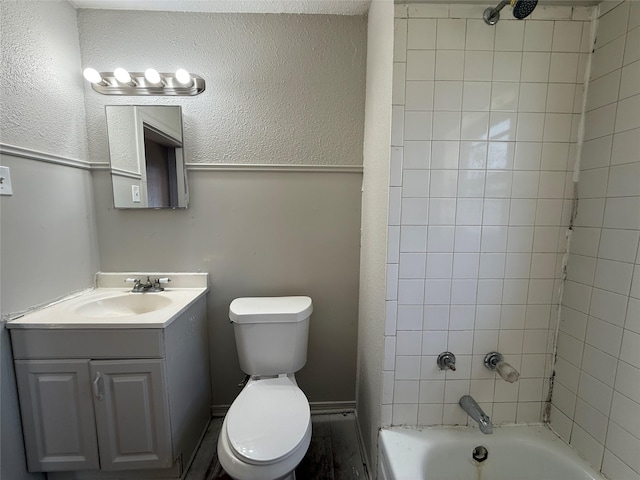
(147, 156)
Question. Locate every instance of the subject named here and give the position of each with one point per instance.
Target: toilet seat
(268, 420)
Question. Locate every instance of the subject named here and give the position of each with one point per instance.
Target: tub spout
(472, 408)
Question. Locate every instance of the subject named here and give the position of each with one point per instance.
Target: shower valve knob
(447, 361)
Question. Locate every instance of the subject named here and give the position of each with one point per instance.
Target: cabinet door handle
(96, 386)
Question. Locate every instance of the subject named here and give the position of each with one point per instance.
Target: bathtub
(447, 453)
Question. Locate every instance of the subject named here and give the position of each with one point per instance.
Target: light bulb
(152, 76)
(122, 75)
(92, 75)
(183, 77)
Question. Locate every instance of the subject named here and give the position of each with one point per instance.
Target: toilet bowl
(266, 431)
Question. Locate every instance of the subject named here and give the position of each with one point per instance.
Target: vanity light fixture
(152, 76)
(124, 77)
(93, 76)
(183, 77)
(150, 82)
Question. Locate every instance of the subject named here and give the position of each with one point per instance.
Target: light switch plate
(5, 181)
(135, 193)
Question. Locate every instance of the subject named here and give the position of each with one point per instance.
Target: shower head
(521, 9)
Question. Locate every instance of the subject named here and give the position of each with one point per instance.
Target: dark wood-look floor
(334, 453)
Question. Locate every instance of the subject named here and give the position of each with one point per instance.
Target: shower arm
(492, 15)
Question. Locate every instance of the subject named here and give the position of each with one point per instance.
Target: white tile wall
(596, 397)
(480, 198)
(484, 121)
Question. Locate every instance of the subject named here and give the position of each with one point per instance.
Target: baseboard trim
(317, 408)
(363, 451)
(332, 407)
(218, 411)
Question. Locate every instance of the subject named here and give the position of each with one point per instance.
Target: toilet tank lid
(270, 309)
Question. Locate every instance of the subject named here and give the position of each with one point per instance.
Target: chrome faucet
(470, 406)
(139, 287)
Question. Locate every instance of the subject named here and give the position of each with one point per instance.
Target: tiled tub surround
(485, 122)
(596, 395)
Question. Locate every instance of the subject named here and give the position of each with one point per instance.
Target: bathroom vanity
(116, 382)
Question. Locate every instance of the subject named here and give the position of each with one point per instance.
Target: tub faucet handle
(507, 372)
(447, 361)
(494, 361)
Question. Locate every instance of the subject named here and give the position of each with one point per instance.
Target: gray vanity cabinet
(114, 403)
(132, 415)
(60, 399)
(57, 414)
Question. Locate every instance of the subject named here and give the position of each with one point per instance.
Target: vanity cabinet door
(132, 414)
(57, 415)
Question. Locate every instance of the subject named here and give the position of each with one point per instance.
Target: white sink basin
(123, 305)
(112, 304)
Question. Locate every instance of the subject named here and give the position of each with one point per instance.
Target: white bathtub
(446, 453)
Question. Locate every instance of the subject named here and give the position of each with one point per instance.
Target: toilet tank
(271, 333)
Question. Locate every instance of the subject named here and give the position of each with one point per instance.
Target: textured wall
(49, 245)
(280, 88)
(373, 251)
(42, 93)
(596, 395)
(480, 196)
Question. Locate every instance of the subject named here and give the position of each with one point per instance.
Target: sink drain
(480, 454)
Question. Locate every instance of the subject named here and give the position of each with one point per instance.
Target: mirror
(146, 156)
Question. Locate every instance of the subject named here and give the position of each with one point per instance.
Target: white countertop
(93, 309)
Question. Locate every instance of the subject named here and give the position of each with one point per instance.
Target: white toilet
(267, 429)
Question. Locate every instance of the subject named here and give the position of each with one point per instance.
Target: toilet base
(291, 476)
(239, 470)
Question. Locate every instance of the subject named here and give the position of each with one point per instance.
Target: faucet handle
(495, 361)
(447, 361)
(507, 372)
(137, 285)
(158, 281)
